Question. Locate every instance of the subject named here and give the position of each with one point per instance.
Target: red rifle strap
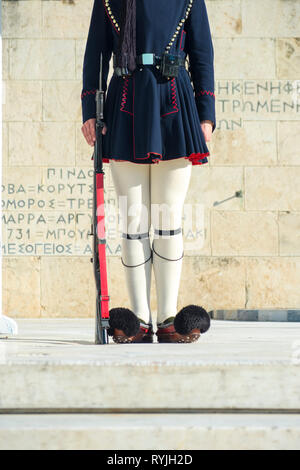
(102, 246)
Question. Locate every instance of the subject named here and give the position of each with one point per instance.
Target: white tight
(144, 186)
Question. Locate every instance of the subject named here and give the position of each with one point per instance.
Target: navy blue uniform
(149, 117)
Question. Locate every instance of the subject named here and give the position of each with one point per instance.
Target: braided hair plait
(126, 50)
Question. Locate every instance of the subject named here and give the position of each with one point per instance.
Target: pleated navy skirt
(150, 118)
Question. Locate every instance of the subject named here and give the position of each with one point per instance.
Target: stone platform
(242, 377)
(185, 431)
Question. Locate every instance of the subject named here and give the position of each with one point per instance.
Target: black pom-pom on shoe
(190, 317)
(123, 319)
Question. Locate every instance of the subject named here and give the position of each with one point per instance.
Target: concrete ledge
(263, 315)
(157, 386)
(150, 431)
(54, 365)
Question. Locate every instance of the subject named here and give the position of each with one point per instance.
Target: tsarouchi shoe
(126, 327)
(185, 327)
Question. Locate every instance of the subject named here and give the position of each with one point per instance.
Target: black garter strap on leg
(167, 232)
(136, 236)
(168, 259)
(136, 265)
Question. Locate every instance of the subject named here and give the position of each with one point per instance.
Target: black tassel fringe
(126, 50)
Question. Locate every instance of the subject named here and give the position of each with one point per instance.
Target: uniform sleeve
(199, 48)
(100, 39)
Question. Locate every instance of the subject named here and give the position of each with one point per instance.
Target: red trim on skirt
(195, 158)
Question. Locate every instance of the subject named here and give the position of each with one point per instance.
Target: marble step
(54, 365)
(150, 431)
(140, 386)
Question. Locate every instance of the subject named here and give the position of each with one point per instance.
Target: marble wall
(244, 251)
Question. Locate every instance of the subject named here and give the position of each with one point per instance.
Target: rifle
(98, 225)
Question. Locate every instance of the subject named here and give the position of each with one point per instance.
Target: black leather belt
(147, 58)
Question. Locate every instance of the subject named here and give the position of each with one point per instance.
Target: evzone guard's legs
(154, 193)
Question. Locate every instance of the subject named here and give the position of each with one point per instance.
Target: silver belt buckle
(148, 58)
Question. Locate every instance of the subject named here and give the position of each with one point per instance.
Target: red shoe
(170, 335)
(144, 335)
(185, 327)
(126, 327)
